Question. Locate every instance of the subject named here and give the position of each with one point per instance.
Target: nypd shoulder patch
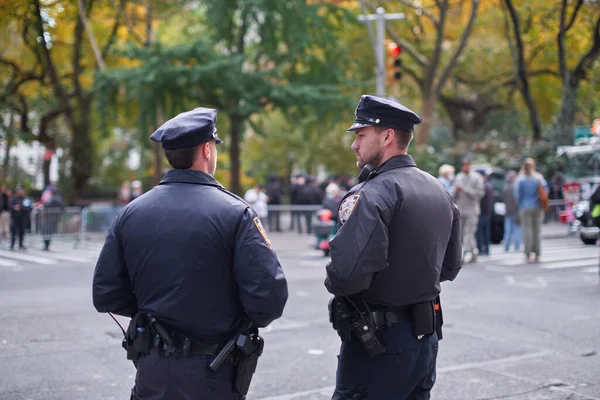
(347, 207)
(262, 231)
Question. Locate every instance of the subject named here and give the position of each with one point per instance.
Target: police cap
(373, 110)
(188, 129)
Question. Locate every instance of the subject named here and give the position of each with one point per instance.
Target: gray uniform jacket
(398, 237)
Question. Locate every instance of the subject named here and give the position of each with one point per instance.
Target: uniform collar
(189, 176)
(400, 161)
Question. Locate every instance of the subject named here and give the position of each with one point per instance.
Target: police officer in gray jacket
(398, 238)
(193, 260)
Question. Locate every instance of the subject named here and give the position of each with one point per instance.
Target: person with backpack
(530, 191)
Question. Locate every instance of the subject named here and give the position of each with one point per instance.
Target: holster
(138, 337)
(340, 318)
(249, 348)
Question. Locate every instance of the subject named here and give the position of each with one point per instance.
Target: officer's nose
(354, 145)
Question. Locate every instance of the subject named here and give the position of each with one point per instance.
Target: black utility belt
(183, 346)
(387, 318)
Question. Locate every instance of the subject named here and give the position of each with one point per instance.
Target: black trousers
(405, 371)
(17, 228)
(185, 378)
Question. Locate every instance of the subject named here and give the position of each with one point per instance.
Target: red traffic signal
(394, 50)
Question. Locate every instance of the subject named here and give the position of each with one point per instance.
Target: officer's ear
(205, 149)
(388, 136)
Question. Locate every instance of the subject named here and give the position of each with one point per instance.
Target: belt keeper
(388, 320)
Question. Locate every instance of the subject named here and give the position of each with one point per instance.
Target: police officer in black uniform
(187, 260)
(398, 238)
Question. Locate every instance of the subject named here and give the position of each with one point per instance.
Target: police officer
(194, 258)
(398, 237)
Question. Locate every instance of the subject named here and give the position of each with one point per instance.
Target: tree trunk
(9, 142)
(81, 150)
(234, 153)
(563, 127)
(422, 136)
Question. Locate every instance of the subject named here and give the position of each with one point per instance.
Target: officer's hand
(17, 207)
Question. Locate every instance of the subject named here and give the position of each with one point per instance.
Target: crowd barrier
(80, 224)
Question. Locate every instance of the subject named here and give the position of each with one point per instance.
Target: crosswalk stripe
(60, 256)
(550, 259)
(26, 257)
(7, 263)
(570, 264)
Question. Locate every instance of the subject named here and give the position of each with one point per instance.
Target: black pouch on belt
(423, 319)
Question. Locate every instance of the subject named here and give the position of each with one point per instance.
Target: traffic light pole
(380, 17)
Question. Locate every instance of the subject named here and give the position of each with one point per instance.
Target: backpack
(543, 197)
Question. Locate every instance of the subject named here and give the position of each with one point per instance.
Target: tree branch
(437, 52)
(586, 62)
(113, 32)
(463, 43)
(425, 12)
(45, 55)
(562, 61)
(91, 36)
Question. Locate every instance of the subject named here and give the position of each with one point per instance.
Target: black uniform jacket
(398, 237)
(192, 253)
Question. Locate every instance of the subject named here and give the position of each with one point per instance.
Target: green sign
(582, 133)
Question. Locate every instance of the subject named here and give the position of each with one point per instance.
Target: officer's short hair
(403, 138)
(182, 158)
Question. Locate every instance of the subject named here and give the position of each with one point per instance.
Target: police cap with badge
(373, 110)
(188, 129)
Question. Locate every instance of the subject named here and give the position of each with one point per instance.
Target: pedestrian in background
(446, 176)
(50, 216)
(467, 191)
(5, 211)
(20, 207)
(527, 192)
(512, 220)
(484, 225)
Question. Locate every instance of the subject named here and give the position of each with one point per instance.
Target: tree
(253, 56)
(522, 78)
(433, 76)
(572, 78)
(53, 41)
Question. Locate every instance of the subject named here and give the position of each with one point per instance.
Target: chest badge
(262, 231)
(346, 207)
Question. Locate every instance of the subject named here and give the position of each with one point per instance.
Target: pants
(274, 221)
(483, 235)
(468, 227)
(185, 378)
(512, 232)
(17, 228)
(531, 220)
(4, 223)
(405, 371)
(296, 220)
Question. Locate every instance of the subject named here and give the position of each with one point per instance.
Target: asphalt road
(512, 331)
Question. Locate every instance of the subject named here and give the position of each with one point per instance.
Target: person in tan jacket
(467, 191)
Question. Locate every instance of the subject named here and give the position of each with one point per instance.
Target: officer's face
(368, 147)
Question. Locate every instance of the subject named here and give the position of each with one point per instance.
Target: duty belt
(184, 346)
(387, 318)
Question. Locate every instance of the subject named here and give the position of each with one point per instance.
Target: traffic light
(394, 64)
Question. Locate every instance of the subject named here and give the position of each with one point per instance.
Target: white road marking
(537, 283)
(26, 257)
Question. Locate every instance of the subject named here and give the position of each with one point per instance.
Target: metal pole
(380, 52)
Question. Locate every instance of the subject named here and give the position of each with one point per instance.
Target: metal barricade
(63, 223)
(97, 219)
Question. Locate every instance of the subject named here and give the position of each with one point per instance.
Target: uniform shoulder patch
(347, 207)
(262, 231)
